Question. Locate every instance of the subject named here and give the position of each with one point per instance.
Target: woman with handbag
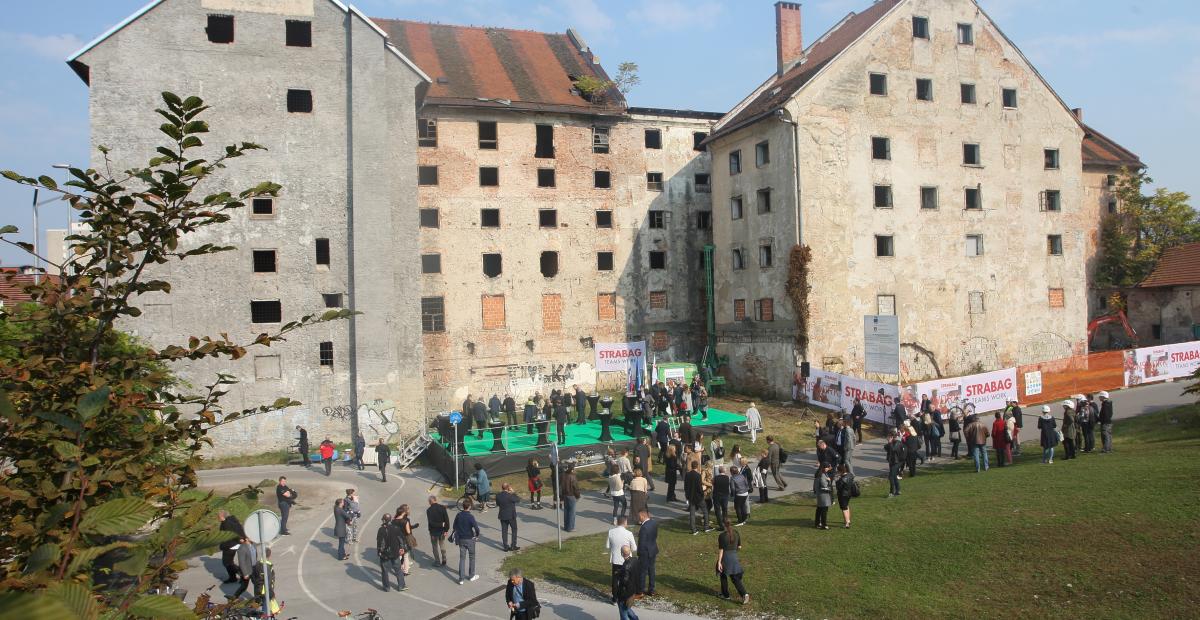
(406, 528)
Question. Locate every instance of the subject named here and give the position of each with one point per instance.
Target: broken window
(764, 309)
(1110, 180)
(966, 34)
(323, 252)
(332, 300)
(600, 139)
(739, 309)
(884, 246)
(698, 138)
(920, 27)
(429, 218)
(971, 199)
(878, 83)
(766, 256)
(881, 148)
(604, 261)
(489, 218)
(739, 261)
(493, 265)
(601, 179)
(735, 162)
(549, 264)
(487, 135)
(427, 175)
(735, 208)
(653, 139)
(299, 100)
(702, 183)
(1054, 246)
(545, 177)
(264, 261)
(548, 218)
(704, 220)
(426, 132)
(967, 93)
(975, 302)
(298, 33)
(762, 153)
(971, 155)
(325, 353)
(266, 311)
(658, 259)
(433, 314)
(262, 207)
(1051, 158)
(656, 219)
(1052, 200)
(604, 219)
(1009, 95)
(220, 28)
(654, 181)
(885, 305)
(974, 245)
(489, 176)
(764, 200)
(545, 142)
(431, 263)
(924, 89)
(929, 198)
(883, 196)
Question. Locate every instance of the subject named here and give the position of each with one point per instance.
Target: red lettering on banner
(1185, 356)
(872, 398)
(983, 389)
(620, 353)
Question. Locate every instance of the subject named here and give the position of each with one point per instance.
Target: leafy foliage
(595, 89)
(95, 516)
(1133, 240)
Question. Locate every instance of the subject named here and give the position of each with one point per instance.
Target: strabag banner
(1170, 361)
(824, 389)
(990, 391)
(877, 398)
(614, 356)
(942, 393)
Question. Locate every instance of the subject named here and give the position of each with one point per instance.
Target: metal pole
(37, 261)
(456, 455)
(558, 504)
(262, 557)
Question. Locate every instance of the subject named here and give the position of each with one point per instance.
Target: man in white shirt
(618, 537)
(754, 421)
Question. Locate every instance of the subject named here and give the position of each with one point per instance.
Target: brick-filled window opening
(660, 341)
(606, 306)
(1052, 200)
(735, 162)
(920, 27)
(600, 139)
(929, 197)
(545, 177)
(738, 259)
(551, 312)
(971, 199)
(703, 182)
(298, 33)
(704, 220)
(544, 148)
(549, 264)
(322, 252)
(881, 148)
(332, 300)
(489, 218)
(1054, 245)
(658, 300)
(433, 314)
(429, 218)
(656, 219)
(601, 179)
(653, 139)
(975, 302)
(1009, 97)
(884, 246)
(735, 208)
(431, 263)
(763, 200)
(739, 309)
(971, 156)
(966, 34)
(698, 138)
(266, 367)
(604, 261)
(604, 219)
(766, 255)
(762, 153)
(883, 197)
(266, 311)
(262, 207)
(548, 218)
(967, 94)
(877, 83)
(764, 309)
(299, 101)
(325, 353)
(264, 261)
(974, 245)
(493, 311)
(1057, 298)
(427, 175)
(489, 176)
(488, 140)
(658, 259)
(924, 89)
(427, 132)
(1051, 158)
(220, 29)
(885, 305)
(654, 181)
(493, 265)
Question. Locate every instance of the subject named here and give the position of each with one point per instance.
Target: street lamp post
(37, 231)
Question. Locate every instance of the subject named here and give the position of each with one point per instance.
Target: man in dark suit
(230, 523)
(561, 417)
(286, 498)
(521, 597)
(647, 545)
(693, 490)
(580, 403)
(507, 501)
(302, 444)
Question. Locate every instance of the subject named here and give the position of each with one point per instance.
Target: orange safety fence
(1078, 374)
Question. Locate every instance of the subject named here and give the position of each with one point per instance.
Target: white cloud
(1049, 47)
(52, 46)
(675, 15)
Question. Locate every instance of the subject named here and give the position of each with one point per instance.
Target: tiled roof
(1179, 266)
(532, 70)
(1099, 150)
(12, 281)
(778, 90)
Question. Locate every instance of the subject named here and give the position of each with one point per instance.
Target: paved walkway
(316, 585)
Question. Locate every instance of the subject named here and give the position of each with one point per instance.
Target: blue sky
(1133, 65)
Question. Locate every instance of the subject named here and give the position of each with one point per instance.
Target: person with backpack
(759, 476)
(895, 458)
(1049, 435)
(777, 458)
(823, 489)
(389, 544)
(847, 488)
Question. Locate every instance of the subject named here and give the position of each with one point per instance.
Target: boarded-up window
(886, 304)
(551, 312)
(660, 341)
(606, 306)
(658, 300)
(739, 309)
(493, 311)
(975, 302)
(266, 367)
(1057, 299)
(764, 309)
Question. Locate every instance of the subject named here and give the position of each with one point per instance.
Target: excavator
(1115, 317)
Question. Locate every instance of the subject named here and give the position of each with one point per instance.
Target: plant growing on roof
(593, 88)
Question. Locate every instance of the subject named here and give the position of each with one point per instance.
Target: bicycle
(471, 492)
(959, 408)
(369, 614)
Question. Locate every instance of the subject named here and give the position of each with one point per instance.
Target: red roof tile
(12, 283)
(531, 69)
(1099, 150)
(777, 91)
(1178, 266)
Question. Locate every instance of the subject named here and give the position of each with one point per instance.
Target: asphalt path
(315, 584)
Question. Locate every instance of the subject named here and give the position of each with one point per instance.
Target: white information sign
(881, 336)
(1033, 383)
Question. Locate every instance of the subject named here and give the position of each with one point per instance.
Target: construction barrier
(1079, 374)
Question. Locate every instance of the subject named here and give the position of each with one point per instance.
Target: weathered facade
(319, 86)
(921, 157)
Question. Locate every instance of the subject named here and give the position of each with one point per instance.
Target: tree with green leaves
(1148, 225)
(95, 514)
(1113, 267)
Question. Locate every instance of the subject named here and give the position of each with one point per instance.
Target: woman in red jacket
(1000, 440)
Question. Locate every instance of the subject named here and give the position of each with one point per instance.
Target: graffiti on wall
(376, 419)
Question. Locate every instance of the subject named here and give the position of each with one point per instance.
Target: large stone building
(934, 174)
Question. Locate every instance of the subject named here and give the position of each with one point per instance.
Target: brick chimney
(789, 47)
(1078, 112)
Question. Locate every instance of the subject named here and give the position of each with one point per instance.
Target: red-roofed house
(13, 281)
(1165, 307)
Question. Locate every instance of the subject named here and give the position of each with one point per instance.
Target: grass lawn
(1102, 536)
